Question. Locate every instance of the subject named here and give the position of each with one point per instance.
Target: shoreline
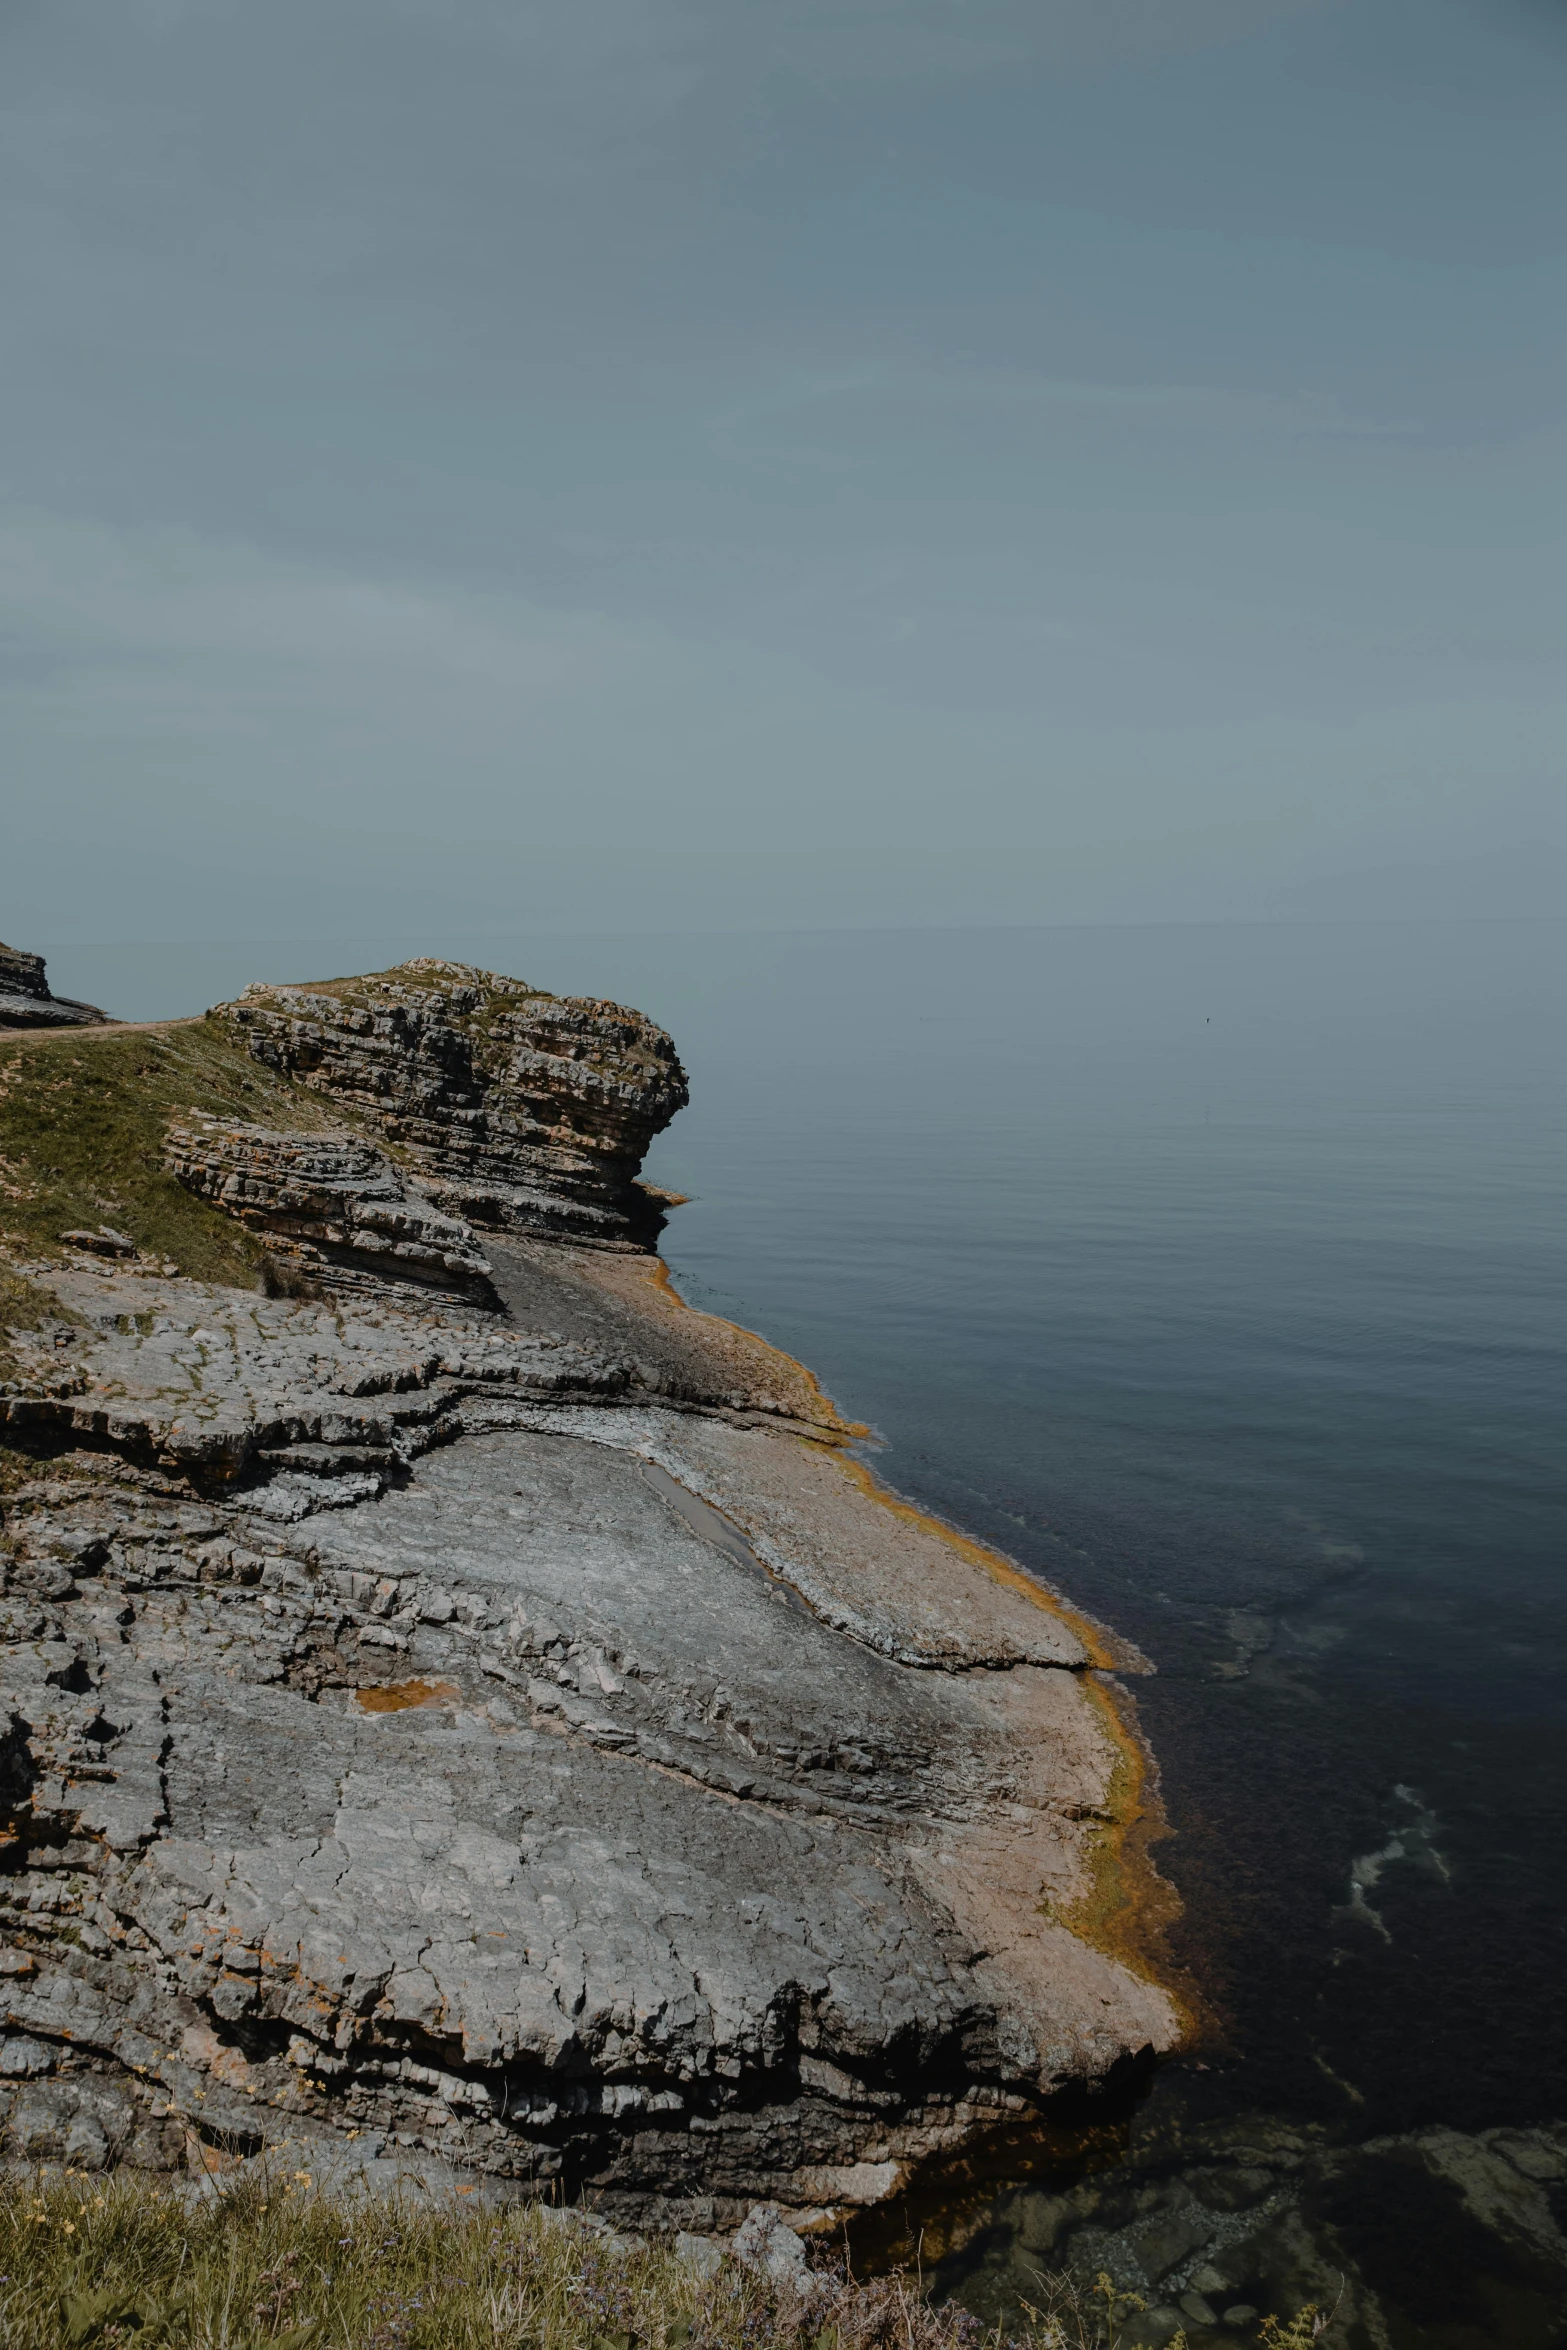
(1131, 1906)
(713, 1901)
(1111, 1903)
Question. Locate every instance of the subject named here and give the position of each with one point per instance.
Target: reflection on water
(1218, 1275)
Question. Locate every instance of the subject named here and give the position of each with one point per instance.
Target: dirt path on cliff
(95, 1028)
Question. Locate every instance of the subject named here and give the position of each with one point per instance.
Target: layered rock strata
(25, 1000)
(331, 1211)
(438, 1740)
(521, 1741)
(515, 1110)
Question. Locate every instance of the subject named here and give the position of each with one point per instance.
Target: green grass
(123, 2260)
(82, 1122)
(273, 2265)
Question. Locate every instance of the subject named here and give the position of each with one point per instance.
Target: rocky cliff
(513, 1109)
(25, 1000)
(518, 1739)
(332, 1213)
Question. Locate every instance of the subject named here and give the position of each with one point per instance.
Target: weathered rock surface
(523, 1739)
(514, 1109)
(695, 1854)
(623, 1305)
(25, 1000)
(332, 1212)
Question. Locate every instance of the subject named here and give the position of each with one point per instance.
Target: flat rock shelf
(512, 1732)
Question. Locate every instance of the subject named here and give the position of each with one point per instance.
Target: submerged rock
(1428, 2235)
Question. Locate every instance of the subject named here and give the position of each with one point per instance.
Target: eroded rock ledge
(332, 1212)
(520, 1738)
(516, 1110)
(25, 999)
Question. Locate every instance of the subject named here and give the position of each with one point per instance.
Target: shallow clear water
(1219, 1275)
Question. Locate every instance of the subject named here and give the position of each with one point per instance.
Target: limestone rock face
(25, 1000)
(480, 1717)
(515, 1110)
(332, 1210)
(422, 1741)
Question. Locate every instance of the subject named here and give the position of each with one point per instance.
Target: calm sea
(1218, 1274)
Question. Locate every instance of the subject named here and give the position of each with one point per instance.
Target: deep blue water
(1220, 1275)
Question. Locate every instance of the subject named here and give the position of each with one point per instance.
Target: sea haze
(1218, 1274)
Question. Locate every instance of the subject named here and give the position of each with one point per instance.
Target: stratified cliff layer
(515, 1109)
(25, 1000)
(332, 1211)
(517, 1737)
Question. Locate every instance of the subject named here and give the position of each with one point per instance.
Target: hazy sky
(701, 462)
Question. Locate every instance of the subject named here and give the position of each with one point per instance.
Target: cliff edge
(458, 1705)
(25, 1000)
(514, 1109)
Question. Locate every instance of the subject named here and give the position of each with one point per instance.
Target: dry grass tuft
(103, 2264)
(23, 1306)
(276, 2265)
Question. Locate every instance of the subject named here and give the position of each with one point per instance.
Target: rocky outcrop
(422, 1741)
(513, 1109)
(509, 1733)
(25, 1000)
(332, 1213)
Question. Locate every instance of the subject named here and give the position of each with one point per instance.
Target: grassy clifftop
(82, 1120)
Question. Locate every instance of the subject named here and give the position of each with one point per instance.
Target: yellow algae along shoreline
(1131, 1908)
(1128, 1908)
(1122, 1907)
